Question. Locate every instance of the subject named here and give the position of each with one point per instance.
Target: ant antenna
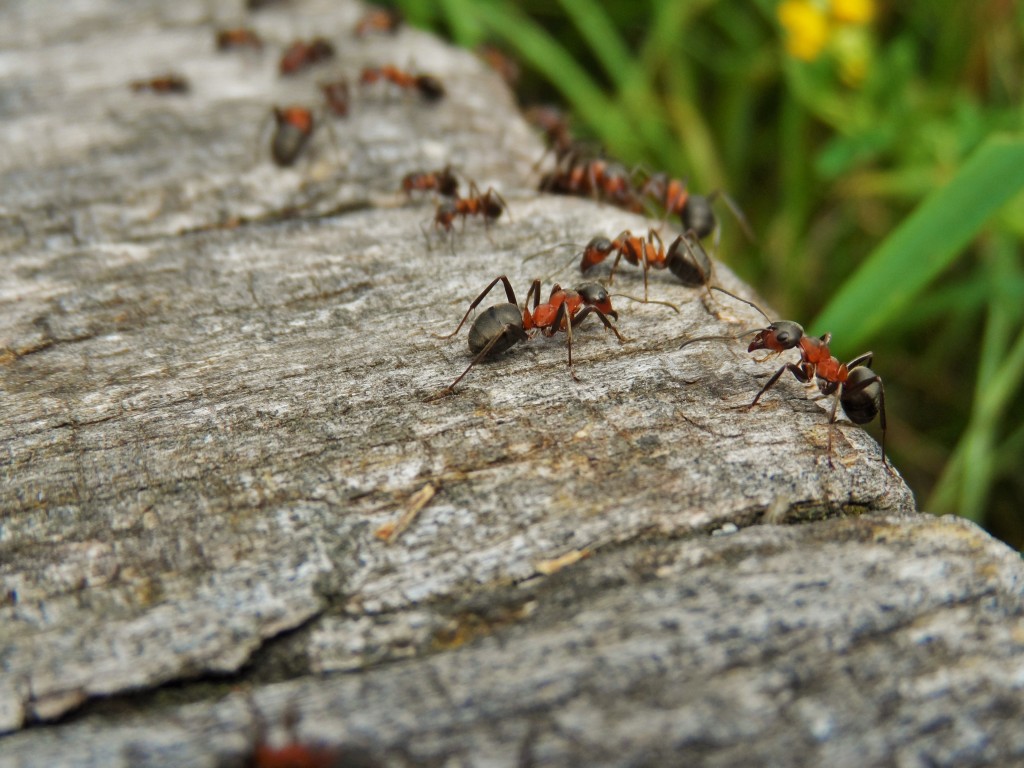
(745, 301)
(646, 301)
(719, 338)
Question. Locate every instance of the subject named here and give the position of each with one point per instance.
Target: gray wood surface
(216, 378)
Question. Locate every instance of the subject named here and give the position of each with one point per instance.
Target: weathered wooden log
(228, 490)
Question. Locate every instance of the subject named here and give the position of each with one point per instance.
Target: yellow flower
(853, 11)
(806, 28)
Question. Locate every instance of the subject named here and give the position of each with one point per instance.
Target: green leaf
(899, 269)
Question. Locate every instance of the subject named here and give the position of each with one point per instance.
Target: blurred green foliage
(878, 152)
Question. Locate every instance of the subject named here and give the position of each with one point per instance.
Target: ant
(506, 67)
(854, 385)
(292, 131)
(295, 754)
(685, 257)
(241, 37)
(489, 205)
(387, 20)
(163, 84)
(554, 123)
(443, 181)
(502, 326)
(694, 211)
(302, 55)
(607, 181)
(336, 95)
(429, 87)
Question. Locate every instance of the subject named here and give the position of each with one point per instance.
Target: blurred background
(876, 150)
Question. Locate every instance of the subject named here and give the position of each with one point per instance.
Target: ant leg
(876, 379)
(560, 317)
(588, 310)
(509, 293)
(794, 369)
(479, 356)
(864, 360)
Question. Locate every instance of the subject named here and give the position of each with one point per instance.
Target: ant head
(597, 296)
(777, 337)
(430, 87)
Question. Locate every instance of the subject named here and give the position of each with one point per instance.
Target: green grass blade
(603, 39)
(550, 59)
(924, 245)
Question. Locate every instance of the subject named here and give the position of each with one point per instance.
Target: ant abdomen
(861, 395)
(500, 325)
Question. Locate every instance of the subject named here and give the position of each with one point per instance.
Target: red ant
(685, 257)
(490, 204)
(429, 87)
(443, 181)
(555, 125)
(379, 20)
(694, 211)
(336, 95)
(163, 84)
(607, 181)
(854, 384)
(502, 326)
(232, 39)
(292, 131)
(298, 755)
(500, 62)
(302, 55)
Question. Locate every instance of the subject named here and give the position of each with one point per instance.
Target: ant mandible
(502, 326)
(854, 385)
(429, 87)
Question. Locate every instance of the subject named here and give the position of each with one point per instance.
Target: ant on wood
(685, 257)
(238, 38)
(336, 96)
(853, 384)
(163, 85)
(694, 211)
(489, 205)
(444, 182)
(428, 86)
(595, 177)
(296, 754)
(293, 128)
(386, 20)
(502, 326)
(301, 55)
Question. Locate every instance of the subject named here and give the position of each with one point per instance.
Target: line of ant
(853, 385)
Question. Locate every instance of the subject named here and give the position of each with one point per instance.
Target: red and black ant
(295, 754)
(555, 125)
(444, 182)
(694, 211)
(428, 86)
(388, 20)
(303, 54)
(489, 205)
(685, 257)
(239, 38)
(595, 177)
(854, 385)
(163, 84)
(293, 128)
(336, 96)
(502, 326)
